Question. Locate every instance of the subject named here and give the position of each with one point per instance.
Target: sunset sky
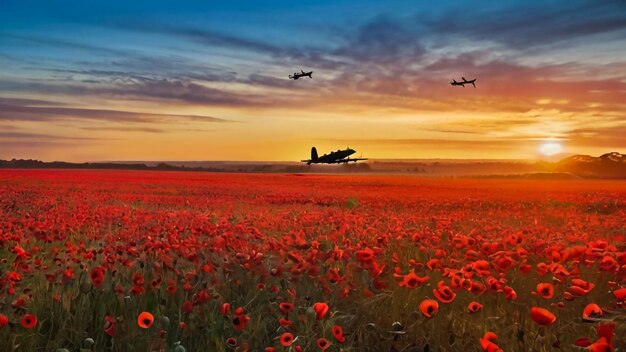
(157, 80)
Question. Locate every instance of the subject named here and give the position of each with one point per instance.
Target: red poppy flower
(568, 296)
(20, 302)
(592, 311)
(96, 275)
(269, 349)
(225, 309)
(488, 342)
(602, 345)
(285, 307)
(240, 322)
(3, 320)
(411, 280)
(285, 322)
(580, 287)
(444, 293)
(509, 293)
(109, 325)
(474, 307)
(365, 255)
(320, 309)
(542, 316)
(14, 277)
(429, 307)
(587, 286)
(187, 307)
(286, 339)
(145, 320)
(28, 321)
(338, 333)
(138, 290)
(323, 344)
(606, 331)
(582, 342)
(476, 287)
(138, 279)
(433, 264)
(201, 297)
(231, 341)
(545, 290)
(490, 336)
(481, 267)
(620, 295)
(333, 275)
(604, 342)
(68, 274)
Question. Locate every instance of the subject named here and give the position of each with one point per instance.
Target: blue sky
(207, 80)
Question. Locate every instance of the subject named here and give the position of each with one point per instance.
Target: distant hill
(609, 165)
(37, 164)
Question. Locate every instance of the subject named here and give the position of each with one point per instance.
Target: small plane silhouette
(462, 84)
(297, 75)
(338, 157)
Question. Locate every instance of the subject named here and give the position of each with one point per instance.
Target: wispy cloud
(437, 144)
(26, 112)
(131, 129)
(173, 91)
(41, 136)
(606, 137)
(204, 36)
(49, 41)
(126, 129)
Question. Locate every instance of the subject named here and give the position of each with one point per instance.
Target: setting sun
(549, 149)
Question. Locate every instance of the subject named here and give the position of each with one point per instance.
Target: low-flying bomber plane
(338, 157)
(463, 83)
(297, 75)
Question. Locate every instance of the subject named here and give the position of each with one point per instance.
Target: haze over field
(111, 80)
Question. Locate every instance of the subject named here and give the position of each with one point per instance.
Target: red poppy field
(172, 261)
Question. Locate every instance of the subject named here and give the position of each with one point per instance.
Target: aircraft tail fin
(313, 154)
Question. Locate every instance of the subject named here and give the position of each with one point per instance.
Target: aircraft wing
(347, 160)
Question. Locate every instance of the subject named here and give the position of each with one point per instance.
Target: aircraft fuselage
(337, 157)
(463, 82)
(333, 157)
(297, 75)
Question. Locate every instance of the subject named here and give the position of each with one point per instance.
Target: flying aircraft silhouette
(297, 75)
(338, 157)
(463, 83)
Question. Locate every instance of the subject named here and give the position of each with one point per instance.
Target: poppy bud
(88, 342)
(165, 322)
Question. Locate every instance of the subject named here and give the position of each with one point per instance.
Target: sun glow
(549, 149)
